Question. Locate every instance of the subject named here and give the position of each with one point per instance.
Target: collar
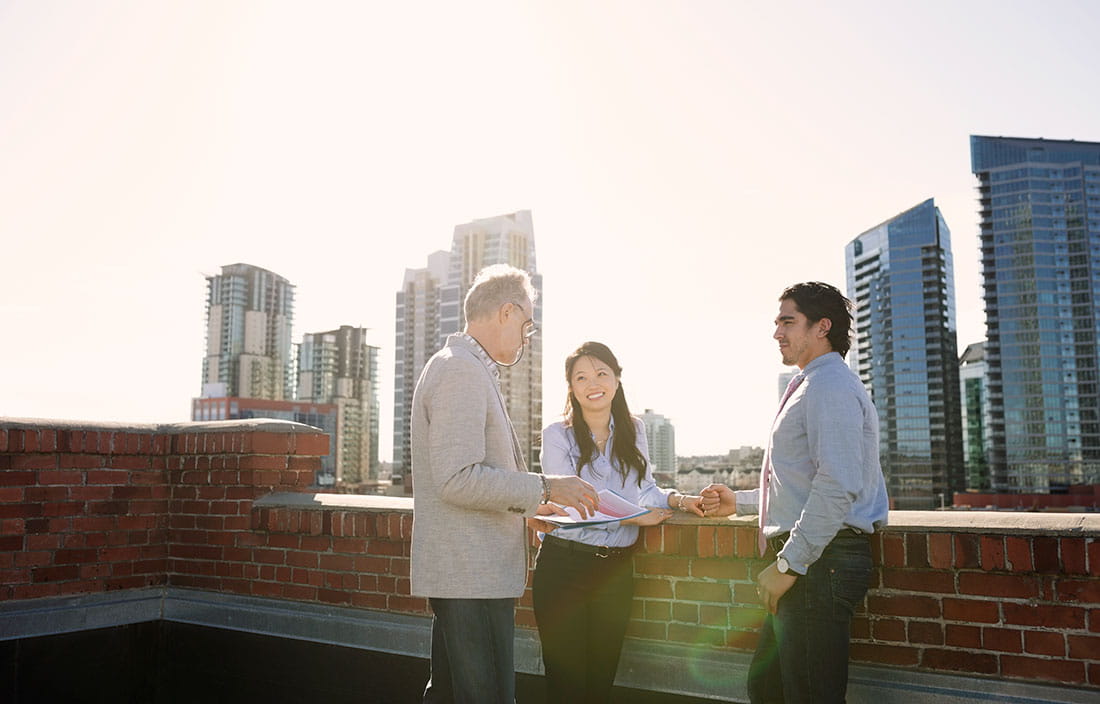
(824, 360)
(610, 429)
(476, 348)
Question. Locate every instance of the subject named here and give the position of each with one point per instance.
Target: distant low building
(1077, 498)
(319, 415)
(738, 469)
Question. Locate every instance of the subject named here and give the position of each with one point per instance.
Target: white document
(612, 508)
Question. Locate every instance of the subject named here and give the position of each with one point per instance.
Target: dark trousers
(582, 605)
(802, 655)
(472, 652)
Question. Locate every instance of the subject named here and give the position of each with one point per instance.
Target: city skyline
(682, 163)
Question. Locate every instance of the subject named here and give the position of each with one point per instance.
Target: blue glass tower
(1040, 237)
(902, 283)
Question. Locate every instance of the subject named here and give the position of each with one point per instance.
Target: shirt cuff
(795, 558)
(747, 501)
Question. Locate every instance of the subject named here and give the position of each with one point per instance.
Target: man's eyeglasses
(529, 327)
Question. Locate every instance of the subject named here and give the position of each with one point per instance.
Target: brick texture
(96, 510)
(89, 511)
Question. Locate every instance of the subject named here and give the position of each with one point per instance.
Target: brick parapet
(975, 593)
(88, 507)
(222, 508)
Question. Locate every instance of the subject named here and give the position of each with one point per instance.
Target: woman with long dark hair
(584, 577)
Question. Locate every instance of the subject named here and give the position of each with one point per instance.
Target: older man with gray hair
(473, 492)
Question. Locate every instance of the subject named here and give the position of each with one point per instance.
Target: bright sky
(683, 162)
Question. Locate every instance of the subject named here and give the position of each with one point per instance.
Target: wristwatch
(782, 565)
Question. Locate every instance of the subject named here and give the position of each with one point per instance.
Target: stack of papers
(612, 508)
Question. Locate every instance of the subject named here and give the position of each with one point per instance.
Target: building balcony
(192, 562)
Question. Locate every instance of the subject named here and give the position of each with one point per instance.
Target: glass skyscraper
(901, 281)
(1039, 201)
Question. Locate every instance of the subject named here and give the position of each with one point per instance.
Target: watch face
(782, 565)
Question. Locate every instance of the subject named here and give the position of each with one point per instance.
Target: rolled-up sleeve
(747, 501)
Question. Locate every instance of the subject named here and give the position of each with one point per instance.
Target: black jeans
(472, 652)
(802, 655)
(582, 604)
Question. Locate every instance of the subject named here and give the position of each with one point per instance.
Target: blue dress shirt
(825, 464)
(560, 455)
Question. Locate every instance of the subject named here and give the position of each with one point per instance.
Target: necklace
(601, 443)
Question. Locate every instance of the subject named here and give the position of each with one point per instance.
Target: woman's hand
(694, 504)
(654, 517)
(687, 503)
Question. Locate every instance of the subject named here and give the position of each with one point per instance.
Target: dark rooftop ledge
(980, 522)
(702, 672)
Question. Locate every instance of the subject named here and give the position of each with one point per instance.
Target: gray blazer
(471, 488)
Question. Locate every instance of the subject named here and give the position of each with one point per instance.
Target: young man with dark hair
(821, 495)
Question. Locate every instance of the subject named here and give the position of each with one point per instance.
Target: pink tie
(765, 477)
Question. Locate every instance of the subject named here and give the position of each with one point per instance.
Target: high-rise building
(1039, 201)
(249, 312)
(429, 308)
(975, 416)
(901, 281)
(661, 437)
(417, 338)
(338, 367)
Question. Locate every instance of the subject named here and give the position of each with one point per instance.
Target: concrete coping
(250, 425)
(341, 502)
(980, 522)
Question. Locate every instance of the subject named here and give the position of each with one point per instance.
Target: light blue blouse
(560, 455)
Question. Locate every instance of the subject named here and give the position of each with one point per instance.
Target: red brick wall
(335, 556)
(1014, 606)
(86, 510)
(1019, 606)
(93, 510)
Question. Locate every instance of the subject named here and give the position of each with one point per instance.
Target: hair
(818, 300)
(493, 287)
(624, 447)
